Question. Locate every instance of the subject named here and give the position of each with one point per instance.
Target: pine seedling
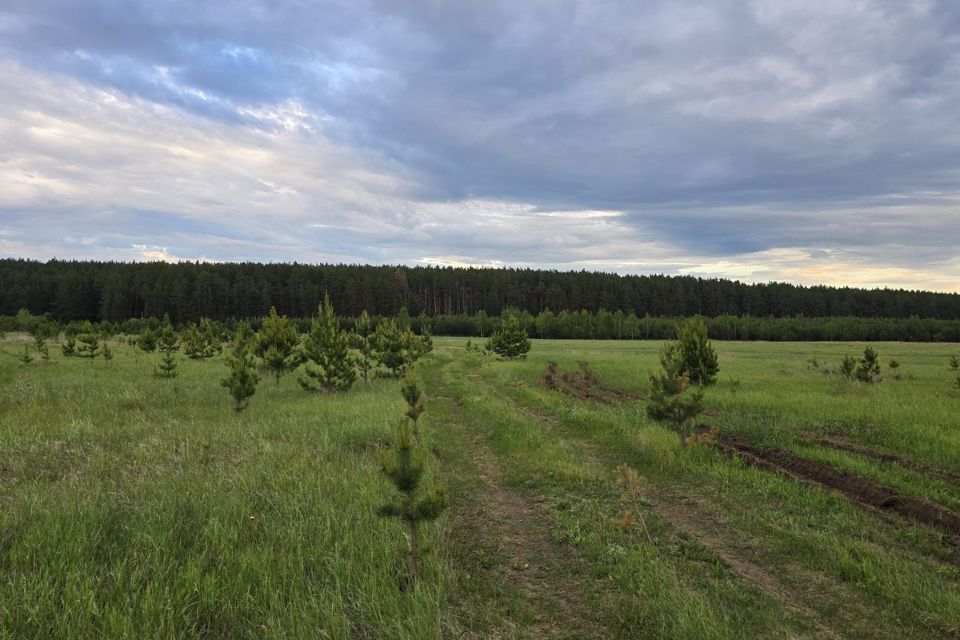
(40, 344)
(671, 397)
(894, 369)
(277, 344)
(147, 340)
(330, 365)
(391, 347)
(403, 465)
(106, 352)
(87, 345)
(868, 368)
(699, 360)
(362, 339)
(510, 340)
(414, 397)
(848, 366)
(69, 346)
(955, 362)
(243, 378)
(167, 367)
(168, 342)
(201, 342)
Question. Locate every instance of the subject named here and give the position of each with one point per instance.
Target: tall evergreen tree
(330, 365)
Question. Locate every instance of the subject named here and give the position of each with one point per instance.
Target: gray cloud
(715, 135)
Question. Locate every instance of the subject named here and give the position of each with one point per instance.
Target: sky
(809, 141)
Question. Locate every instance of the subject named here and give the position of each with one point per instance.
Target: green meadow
(138, 507)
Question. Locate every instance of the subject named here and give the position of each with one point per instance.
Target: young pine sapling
(403, 465)
(868, 368)
(672, 398)
(330, 364)
(277, 344)
(242, 380)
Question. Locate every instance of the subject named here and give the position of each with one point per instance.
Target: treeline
(603, 325)
(186, 292)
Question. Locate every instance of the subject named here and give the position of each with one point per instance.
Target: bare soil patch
(583, 384)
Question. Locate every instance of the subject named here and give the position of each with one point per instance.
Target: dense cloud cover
(812, 141)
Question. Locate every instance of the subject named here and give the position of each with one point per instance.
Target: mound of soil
(583, 384)
(864, 492)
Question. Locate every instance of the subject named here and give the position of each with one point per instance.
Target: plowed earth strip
(874, 496)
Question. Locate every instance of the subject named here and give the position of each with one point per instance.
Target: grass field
(137, 507)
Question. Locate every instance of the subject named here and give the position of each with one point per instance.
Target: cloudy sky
(809, 141)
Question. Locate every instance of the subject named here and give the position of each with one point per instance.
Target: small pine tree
(147, 340)
(69, 346)
(404, 466)
(391, 347)
(26, 358)
(40, 344)
(848, 366)
(168, 342)
(201, 342)
(895, 369)
(41, 332)
(87, 345)
(277, 344)
(362, 339)
(868, 368)
(414, 397)
(510, 341)
(955, 362)
(672, 399)
(243, 378)
(330, 365)
(106, 352)
(699, 359)
(167, 367)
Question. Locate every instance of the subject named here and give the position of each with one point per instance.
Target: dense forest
(113, 291)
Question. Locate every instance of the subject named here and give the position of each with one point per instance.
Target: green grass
(132, 506)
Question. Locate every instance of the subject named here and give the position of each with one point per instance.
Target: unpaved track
(689, 520)
(550, 576)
